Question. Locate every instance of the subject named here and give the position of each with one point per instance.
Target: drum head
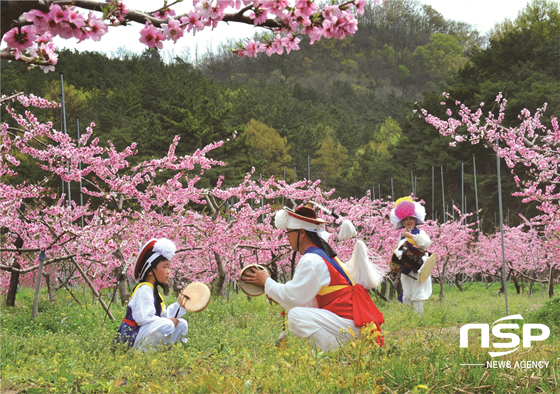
(426, 270)
(249, 288)
(195, 297)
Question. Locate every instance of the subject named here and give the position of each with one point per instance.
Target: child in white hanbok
(148, 323)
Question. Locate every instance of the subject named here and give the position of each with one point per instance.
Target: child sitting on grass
(148, 323)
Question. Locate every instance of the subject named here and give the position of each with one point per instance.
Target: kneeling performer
(148, 324)
(322, 299)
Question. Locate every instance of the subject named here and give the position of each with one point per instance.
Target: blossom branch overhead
(28, 28)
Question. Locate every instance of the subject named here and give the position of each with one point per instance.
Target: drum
(249, 288)
(426, 270)
(394, 266)
(412, 258)
(195, 297)
(412, 261)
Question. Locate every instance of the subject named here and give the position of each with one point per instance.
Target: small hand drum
(426, 270)
(195, 297)
(249, 288)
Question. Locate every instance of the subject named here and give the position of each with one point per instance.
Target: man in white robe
(319, 299)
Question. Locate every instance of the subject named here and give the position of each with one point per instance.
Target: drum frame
(242, 283)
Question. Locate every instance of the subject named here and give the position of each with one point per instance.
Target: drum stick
(178, 309)
(410, 276)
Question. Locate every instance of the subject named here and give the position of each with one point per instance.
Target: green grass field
(232, 349)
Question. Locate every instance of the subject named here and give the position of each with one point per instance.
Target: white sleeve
(398, 252)
(422, 240)
(172, 310)
(142, 306)
(311, 274)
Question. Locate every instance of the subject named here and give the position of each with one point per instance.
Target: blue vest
(128, 330)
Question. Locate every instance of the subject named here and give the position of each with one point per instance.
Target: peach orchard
(219, 230)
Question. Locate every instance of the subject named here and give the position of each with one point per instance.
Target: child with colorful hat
(413, 242)
(148, 323)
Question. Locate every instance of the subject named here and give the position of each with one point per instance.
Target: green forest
(344, 105)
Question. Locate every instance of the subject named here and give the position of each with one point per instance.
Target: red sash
(351, 302)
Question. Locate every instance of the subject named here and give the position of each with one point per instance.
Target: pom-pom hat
(159, 247)
(406, 207)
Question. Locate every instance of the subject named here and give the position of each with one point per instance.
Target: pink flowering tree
(126, 205)
(28, 27)
(451, 242)
(525, 255)
(118, 198)
(530, 147)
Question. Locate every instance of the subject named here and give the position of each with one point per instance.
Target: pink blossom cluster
(533, 144)
(35, 40)
(32, 42)
(529, 149)
(304, 18)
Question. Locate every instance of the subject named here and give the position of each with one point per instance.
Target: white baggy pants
(321, 327)
(161, 332)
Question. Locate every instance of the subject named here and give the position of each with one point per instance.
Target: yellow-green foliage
(75, 100)
(389, 134)
(442, 57)
(270, 147)
(331, 157)
(231, 349)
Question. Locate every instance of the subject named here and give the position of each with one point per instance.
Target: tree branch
(29, 269)
(13, 96)
(20, 250)
(23, 131)
(24, 59)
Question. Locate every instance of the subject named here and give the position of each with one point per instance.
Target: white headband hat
(287, 219)
(161, 247)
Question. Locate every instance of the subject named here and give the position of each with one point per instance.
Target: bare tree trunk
(516, 284)
(14, 278)
(123, 291)
(221, 274)
(14, 282)
(384, 287)
(531, 283)
(273, 271)
(51, 285)
(226, 289)
(458, 282)
(122, 279)
(395, 286)
(112, 296)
